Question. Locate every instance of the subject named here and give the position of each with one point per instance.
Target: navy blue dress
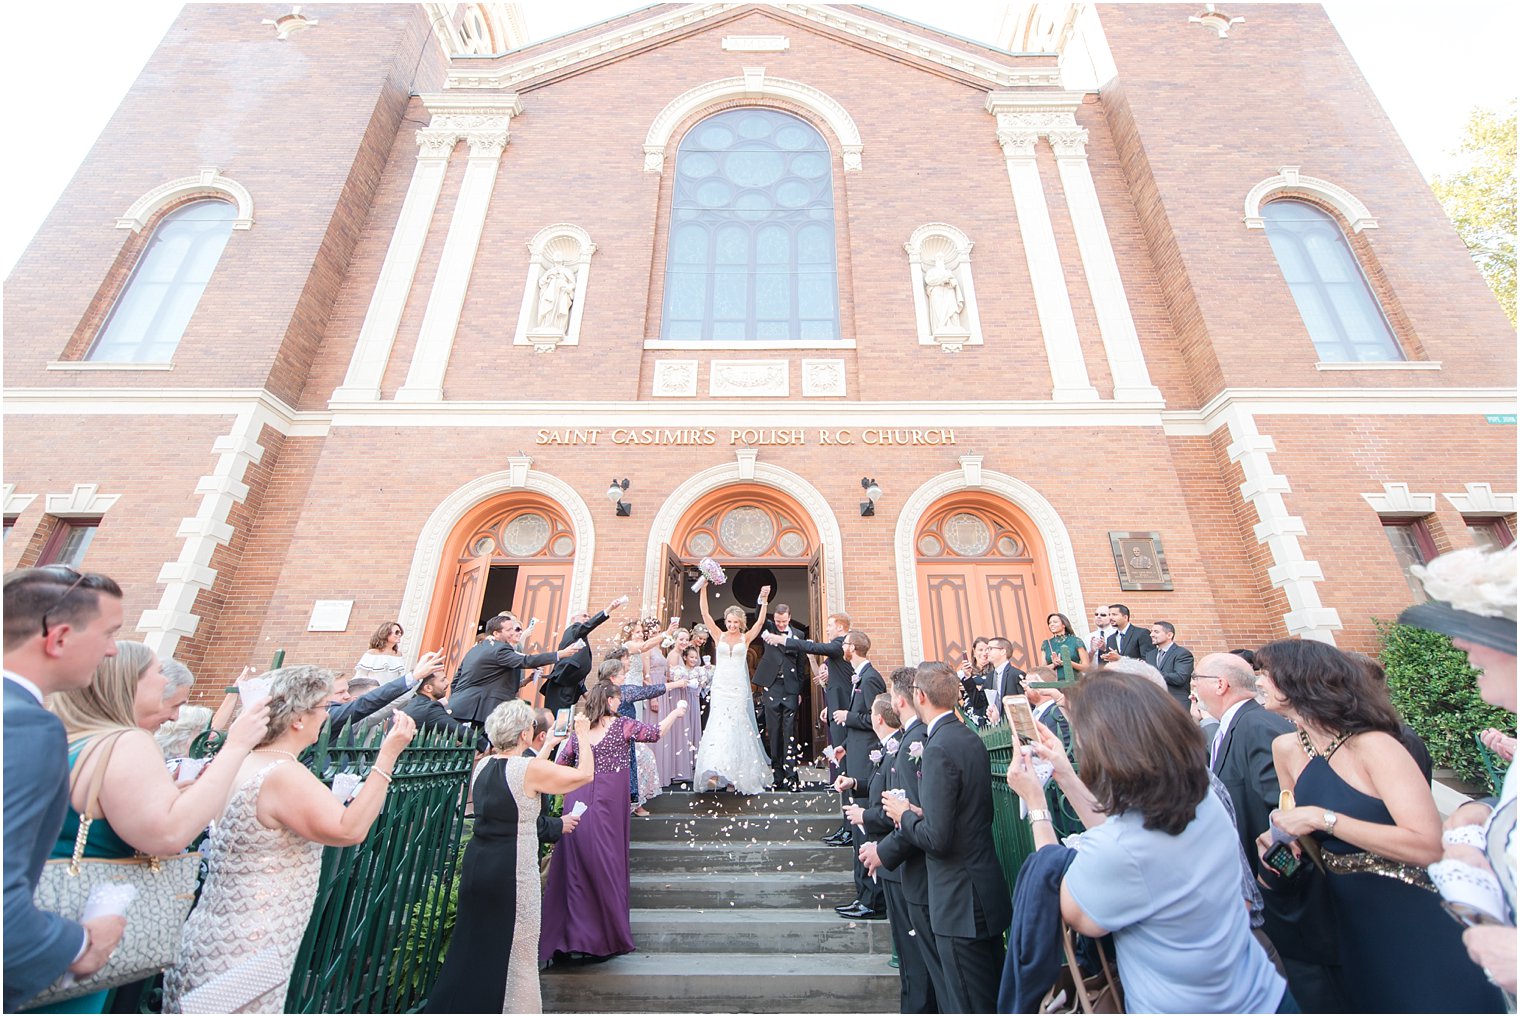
(1400, 951)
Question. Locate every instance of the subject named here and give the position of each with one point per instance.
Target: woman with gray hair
(492, 963)
(265, 853)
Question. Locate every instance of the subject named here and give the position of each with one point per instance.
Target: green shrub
(1436, 691)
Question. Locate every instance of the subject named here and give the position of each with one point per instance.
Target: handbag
(155, 918)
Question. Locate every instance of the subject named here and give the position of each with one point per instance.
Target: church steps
(740, 856)
(726, 983)
(757, 930)
(706, 829)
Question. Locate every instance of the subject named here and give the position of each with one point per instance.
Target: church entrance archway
(980, 570)
(761, 536)
(515, 552)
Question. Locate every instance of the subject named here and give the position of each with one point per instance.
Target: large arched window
(150, 315)
(1338, 307)
(752, 232)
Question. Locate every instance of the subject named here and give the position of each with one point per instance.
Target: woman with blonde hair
(492, 963)
(265, 853)
(110, 724)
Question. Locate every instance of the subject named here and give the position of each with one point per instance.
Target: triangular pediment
(642, 30)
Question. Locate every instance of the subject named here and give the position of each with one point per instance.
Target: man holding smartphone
(567, 682)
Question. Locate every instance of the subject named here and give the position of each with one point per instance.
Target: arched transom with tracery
(751, 527)
(522, 533)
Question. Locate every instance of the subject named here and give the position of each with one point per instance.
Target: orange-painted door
(465, 600)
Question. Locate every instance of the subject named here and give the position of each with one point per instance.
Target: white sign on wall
(329, 616)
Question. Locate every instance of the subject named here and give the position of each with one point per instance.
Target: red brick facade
(334, 502)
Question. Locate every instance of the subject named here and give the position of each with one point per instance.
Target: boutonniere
(876, 756)
(916, 750)
(891, 746)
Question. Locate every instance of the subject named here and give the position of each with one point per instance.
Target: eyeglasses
(66, 570)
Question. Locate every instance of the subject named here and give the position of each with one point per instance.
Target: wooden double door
(979, 575)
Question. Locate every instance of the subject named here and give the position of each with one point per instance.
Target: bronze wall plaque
(1139, 560)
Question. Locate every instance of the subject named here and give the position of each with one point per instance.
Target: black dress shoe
(854, 905)
(861, 913)
(839, 838)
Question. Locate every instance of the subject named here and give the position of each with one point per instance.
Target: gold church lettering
(671, 437)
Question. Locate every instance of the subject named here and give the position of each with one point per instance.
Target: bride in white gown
(730, 752)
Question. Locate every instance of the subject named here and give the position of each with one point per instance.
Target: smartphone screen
(562, 723)
(1021, 717)
(1280, 857)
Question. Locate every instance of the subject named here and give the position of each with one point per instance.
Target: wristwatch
(1040, 816)
(1330, 819)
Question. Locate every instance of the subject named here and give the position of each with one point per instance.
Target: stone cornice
(522, 67)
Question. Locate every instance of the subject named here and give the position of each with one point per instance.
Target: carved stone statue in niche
(946, 301)
(556, 292)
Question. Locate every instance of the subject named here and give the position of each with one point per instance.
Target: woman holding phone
(1359, 795)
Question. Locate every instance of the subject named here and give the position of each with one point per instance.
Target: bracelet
(381, 773)
(1040, 816)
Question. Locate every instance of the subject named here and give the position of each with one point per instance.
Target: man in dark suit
(1003, 679)
(59, 625)
(902, 865)
(1174, 662)
(859, 743)
(490, 673)
(427, 709)
(782, 676)
(836, 692)
(567, 682)
(343, 709)
(1126, 640)
(1241, 757)
(550, 828)
(969, 903)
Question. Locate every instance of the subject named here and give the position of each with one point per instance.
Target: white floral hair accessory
(1475, 580)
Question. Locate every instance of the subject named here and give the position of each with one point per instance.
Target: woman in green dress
(1063, 651)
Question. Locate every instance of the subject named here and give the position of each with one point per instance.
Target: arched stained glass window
(1338, 307)
(150, 315)
(751, 252)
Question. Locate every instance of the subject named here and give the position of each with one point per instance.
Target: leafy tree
(1480, 199)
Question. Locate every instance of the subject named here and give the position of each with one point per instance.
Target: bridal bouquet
(711, 571)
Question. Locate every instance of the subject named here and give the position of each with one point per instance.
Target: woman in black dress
(1360, 795)
(492, 963)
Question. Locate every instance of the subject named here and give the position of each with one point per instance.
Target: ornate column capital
(433, 143)
(1018, 144)
(487, 143)
(1069, 144)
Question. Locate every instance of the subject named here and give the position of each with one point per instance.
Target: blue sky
(1428, 63)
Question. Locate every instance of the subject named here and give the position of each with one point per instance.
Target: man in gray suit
(1174, 662)
(59, 625)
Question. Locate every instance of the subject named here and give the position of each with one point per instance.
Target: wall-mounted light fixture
(868, 507)
(615, 495)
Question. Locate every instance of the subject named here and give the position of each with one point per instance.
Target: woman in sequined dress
(1360, 795)
(586, 896)
(492, 963)
(264, 855)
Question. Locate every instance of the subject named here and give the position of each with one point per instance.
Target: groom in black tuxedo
(782, 677)
(969, 903)
(836, 693)
(567, 682)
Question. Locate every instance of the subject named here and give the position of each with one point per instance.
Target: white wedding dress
(730, 749)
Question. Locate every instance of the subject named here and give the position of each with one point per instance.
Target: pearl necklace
(282, 752)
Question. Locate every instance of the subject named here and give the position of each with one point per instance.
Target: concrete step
(766, 803)
(724, 983)
(756, 930)
(738, 890)
(739, 856)
(806, 826)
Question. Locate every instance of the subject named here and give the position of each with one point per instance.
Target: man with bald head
(1241, 756)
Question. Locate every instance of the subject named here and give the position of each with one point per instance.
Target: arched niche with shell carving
(944, 296)
(554, 294)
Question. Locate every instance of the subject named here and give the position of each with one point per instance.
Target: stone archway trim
(421, 581)
(741, 470)
(1059, 552)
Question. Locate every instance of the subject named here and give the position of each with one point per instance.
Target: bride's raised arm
(754, 630)
(707, 619)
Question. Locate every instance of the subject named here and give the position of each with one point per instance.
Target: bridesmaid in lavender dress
(585, 909)
(676, 752)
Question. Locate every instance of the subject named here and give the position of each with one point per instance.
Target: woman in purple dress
(586, 897)
(677, 751)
